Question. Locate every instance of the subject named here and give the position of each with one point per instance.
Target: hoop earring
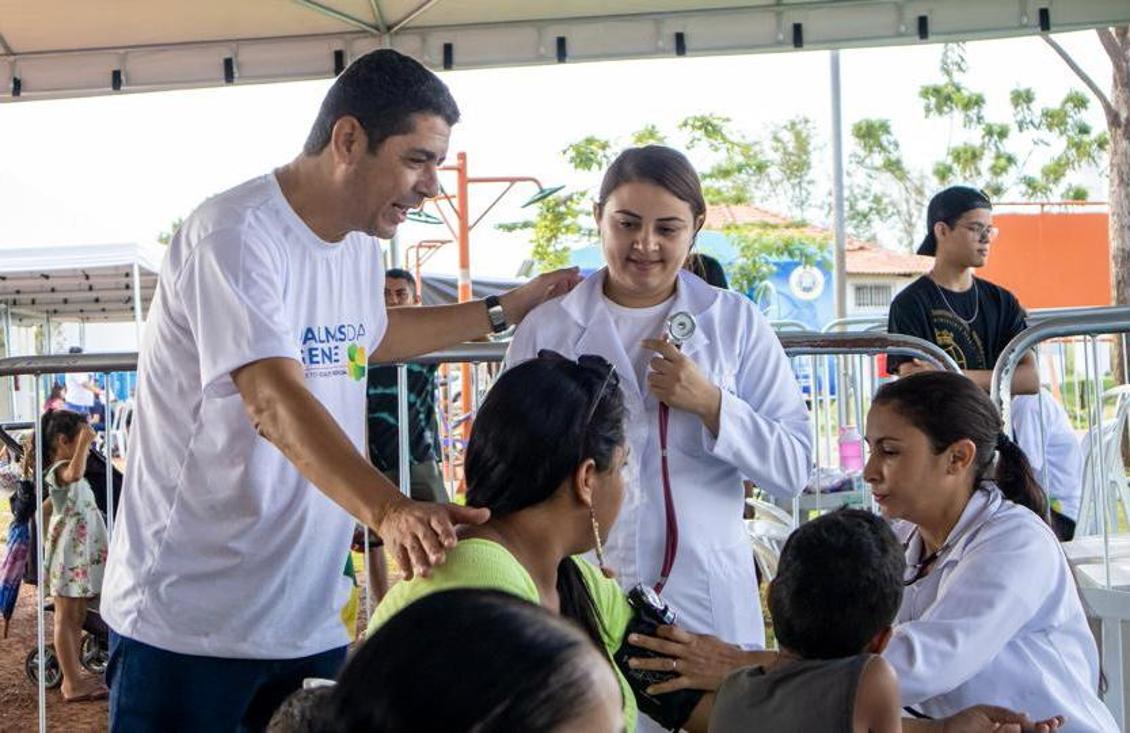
(596, 536)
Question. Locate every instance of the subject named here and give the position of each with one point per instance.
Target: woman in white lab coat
(990, 613)
(736, 410)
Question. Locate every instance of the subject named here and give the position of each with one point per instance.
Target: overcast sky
(121, 168)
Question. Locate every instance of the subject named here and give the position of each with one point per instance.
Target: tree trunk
(1118, 119)
(1120, 195)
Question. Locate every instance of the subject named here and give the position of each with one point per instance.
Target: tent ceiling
(59, 48)
(77, 283)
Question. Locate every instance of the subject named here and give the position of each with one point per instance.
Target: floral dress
(75, 556)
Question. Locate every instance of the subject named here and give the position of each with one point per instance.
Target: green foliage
(1030, 156)
(167, 236)
(734, 170)
(881, 190)
(648, 135)
(761, 246)
(790, 147)
(739, 166)
(557, 224)
(589, 154)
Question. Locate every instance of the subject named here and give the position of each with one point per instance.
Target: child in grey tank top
(838, 588)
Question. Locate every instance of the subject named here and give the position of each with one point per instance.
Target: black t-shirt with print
(946, 318)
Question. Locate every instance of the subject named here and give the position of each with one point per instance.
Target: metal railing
(1109, 603)
(815, 346)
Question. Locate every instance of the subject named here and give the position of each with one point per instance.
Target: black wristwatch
(494, 314)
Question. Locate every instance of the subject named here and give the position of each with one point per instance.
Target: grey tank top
(804, 695)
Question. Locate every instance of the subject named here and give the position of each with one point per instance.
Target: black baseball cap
(948, 206)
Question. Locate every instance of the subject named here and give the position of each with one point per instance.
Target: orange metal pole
(464, 207)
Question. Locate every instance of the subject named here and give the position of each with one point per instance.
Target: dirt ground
(19, 710)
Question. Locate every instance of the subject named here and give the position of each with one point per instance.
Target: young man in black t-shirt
(971, 319)
(425, 476)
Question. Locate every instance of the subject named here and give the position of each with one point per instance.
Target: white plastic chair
(119, 427)
(767, 534)
(1112, 433)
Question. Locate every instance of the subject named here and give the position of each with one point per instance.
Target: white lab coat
(1060, 448)
(765, 436)
(997, 621)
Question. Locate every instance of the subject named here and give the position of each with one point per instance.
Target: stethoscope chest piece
(680, 327)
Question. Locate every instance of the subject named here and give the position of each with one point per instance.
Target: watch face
(680, 327)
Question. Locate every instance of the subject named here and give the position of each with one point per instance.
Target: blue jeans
(153, 689)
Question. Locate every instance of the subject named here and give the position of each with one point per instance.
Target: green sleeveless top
(480, 563)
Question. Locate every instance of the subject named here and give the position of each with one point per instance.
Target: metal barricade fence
(1087, 343)
(809, 347)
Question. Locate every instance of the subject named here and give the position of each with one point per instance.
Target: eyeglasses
(983, 233)
(596, 364)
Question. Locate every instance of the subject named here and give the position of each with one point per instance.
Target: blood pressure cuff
(671, 710)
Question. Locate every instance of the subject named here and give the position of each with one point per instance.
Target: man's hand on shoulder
(517, 303)
(420, 533)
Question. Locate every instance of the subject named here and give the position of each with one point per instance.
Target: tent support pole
(137, 295)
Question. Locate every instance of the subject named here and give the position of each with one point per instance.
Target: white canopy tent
(67, 48)
(88, 282)
(81, 284)
(62, 48)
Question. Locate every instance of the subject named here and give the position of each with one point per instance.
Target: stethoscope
(679, 328)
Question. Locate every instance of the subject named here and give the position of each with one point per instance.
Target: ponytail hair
(1016, 478)
(52, 425)
(949, 407)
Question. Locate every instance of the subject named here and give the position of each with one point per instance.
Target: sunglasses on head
(594, 363)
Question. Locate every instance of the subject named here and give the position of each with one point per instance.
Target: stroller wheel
(52, 673)
(95, 653)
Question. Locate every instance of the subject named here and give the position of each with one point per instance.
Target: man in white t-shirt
(225, 581)
(81, 389)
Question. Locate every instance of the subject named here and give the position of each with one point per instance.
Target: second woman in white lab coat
(990, 613)
(736, 410)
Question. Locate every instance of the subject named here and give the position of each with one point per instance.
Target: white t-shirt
(633, 325)
(77, 393)
(221, 548)
(1060, 449)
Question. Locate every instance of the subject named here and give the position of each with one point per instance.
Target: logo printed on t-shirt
(329, 351)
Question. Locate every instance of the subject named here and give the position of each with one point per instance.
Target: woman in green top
(545, 457)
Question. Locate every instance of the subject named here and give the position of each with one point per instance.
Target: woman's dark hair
(529, 437)
(382, 89)
(53, 424)
(660, 166)
(707, 268)
(57, 391)
(949, 407)
(838, 585)
(466, 660)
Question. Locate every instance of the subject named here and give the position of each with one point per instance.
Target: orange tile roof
(863, 258)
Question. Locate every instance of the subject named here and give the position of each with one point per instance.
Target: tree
(556, 225)
(167, 236)
(881, 189)
(791, 148)
(761, 246)
(734, 170)
(999, 156)
(1116, 109)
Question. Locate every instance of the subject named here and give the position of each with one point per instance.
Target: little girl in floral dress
(75, 552)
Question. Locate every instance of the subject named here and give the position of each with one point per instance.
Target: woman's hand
(677, 381)
(985, 718)
(700, 661)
